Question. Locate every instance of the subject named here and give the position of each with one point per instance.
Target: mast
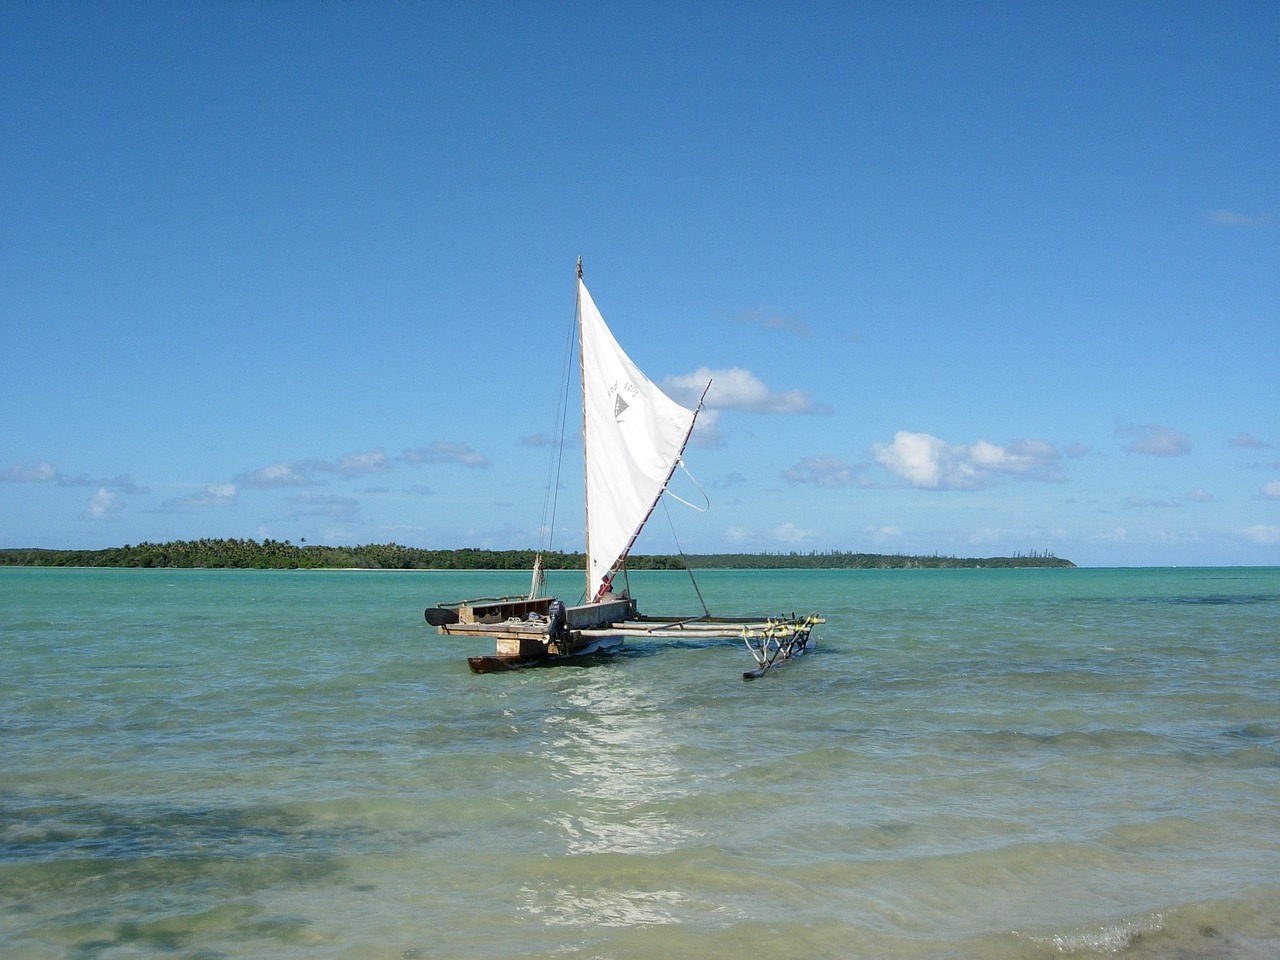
(586, 471)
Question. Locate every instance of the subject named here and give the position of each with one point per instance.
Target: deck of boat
(524, 633)
(639, 626)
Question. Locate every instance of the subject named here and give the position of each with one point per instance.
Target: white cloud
(1271, 490)
(824, 470)
(1263, 533)
(706, 431)
(790, 534)
(884, 534)
(103, 505)
(734, 389)
(738, 534)
(1154, 440)
(927, 462)
(1033, 459)
(441, 451)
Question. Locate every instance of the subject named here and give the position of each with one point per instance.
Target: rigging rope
(705, 499)
(683, 558)
(551, 496)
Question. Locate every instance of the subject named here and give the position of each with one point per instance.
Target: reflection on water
(614, 759)
(577, 907)
(616, 781)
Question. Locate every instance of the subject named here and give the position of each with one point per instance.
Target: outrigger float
(634, 437)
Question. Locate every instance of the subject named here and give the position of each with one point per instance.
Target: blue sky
(971, 278)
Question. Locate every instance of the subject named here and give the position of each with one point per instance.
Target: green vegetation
(277, 555)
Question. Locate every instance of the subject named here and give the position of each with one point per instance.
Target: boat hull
(525, 636)
(587, 653)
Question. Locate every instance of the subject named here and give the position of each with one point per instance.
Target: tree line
(284, 555)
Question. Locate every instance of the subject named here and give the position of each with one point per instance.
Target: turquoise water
(974, 764)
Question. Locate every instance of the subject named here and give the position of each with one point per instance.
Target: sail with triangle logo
(634, 437)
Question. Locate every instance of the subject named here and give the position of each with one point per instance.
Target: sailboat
(634, 437)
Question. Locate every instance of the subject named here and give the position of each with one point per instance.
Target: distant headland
(284, 555)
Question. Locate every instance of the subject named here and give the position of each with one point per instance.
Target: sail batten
(633, 435)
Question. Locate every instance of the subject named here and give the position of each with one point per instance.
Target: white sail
(634, 435)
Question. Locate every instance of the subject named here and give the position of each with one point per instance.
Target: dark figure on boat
(559, 619)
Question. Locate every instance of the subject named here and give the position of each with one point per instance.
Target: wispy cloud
(1154, 440)
(730, 480)
(1265, 534)
(1229, 218)
(335, 507)
(442, 451)
(305, 473)
(1271, 490)
(824, 470)
(283, 473)
(1199, 495)
(354, 464)
(122, 483)
(213, 495)
(1247, 441)
(927, 462)
(44, 472)
(768, 320)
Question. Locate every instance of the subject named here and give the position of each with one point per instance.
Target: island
(284, 555)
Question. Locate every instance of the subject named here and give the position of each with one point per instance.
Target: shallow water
(975, 763)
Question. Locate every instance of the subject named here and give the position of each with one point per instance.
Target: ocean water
(973, 764)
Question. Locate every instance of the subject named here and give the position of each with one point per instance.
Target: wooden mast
(586, 472)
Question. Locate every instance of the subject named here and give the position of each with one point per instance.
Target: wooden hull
(587, 654)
